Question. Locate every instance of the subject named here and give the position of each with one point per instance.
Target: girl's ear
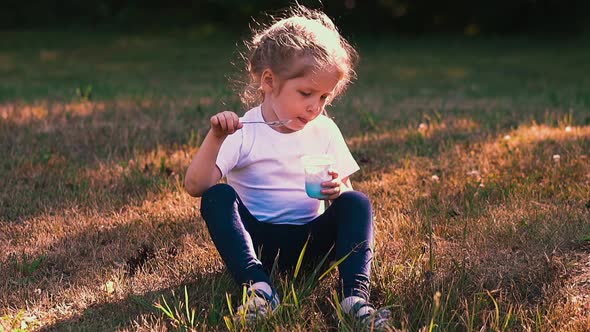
(267, 81)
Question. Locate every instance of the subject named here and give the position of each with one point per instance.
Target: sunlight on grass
(493, 224)
(534, 133)
(23, 114)
(426, 131)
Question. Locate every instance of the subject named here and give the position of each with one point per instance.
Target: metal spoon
(269, 123)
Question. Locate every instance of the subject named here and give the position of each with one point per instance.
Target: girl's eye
(305, 94)
(324, 97)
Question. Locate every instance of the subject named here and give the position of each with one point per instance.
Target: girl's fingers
(233, 122)
(229, 123)
(214, 121)
(222, 122)
(330, 188)
(331, 193)
(226, 122)
(236, 121)
(331, 184)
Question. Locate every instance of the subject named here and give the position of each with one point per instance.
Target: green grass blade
(300, 259)
(316, 270)
(186, 304)
(244, 294)
(507, 319)
(167, 310)
(141, 302)
(496, 309)
(295, 299)
(228, 323)
(338, 307)
(229, 306)
(335, 265)
(432, 325)
(193, 315)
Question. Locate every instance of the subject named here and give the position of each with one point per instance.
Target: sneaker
(370, 318)
(258, 305)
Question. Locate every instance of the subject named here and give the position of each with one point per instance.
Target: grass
(479, 225)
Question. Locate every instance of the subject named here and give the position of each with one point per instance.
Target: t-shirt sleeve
(229, 153)
(345, 163)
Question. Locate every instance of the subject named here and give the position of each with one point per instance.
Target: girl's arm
(203, 173)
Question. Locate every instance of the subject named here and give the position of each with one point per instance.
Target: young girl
(297, 66)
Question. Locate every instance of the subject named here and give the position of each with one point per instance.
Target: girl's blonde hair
(300, 41)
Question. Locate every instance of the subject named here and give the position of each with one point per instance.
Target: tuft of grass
(25, 265)
(181, 315)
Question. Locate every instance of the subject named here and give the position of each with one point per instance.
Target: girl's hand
(333, 188)
(224, 124)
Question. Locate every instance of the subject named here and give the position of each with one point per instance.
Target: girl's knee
(354, 199)
(218, 194)
(354, 208)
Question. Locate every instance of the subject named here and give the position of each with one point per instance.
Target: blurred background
(374, 16)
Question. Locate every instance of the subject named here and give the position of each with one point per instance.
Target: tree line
(403, 16)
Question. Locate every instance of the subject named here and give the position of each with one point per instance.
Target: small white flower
(507, 137)
(423, 127)
(475, 175)
(109, 287)
(568, 129)
(435, 178)
(556, 158)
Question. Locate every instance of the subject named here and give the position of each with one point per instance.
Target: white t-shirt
(265, 169)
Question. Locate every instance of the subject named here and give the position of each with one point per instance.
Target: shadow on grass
(207, 296)
(135, 310)
(77, 268)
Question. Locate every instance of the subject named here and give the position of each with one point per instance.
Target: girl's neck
(268, 114)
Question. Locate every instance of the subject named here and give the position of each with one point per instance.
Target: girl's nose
(315, 108)
(314, 111)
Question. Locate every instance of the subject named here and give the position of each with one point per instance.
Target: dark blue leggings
(241, 239)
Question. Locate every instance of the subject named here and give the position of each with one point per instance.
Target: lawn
(474, 152)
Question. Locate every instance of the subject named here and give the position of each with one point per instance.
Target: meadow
(474, 152)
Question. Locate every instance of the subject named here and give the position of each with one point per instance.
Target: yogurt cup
(316, 171)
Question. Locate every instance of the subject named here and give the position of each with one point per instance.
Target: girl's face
(300, 99)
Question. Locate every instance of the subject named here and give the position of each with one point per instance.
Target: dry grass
(471, 202)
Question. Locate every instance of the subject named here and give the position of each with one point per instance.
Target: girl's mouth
(303, 120)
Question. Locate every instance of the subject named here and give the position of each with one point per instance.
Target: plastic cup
(316, 171)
